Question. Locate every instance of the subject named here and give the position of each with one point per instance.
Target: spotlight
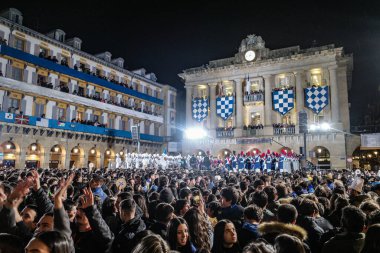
(195, 133)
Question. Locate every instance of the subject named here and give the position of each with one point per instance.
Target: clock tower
(251, 49)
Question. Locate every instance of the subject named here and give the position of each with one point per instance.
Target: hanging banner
(283, 100)
(225, 106)
(200, 108)
(316, 98)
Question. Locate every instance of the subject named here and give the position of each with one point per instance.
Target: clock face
(250, 55)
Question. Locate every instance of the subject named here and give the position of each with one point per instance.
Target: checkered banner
(225, 107)
(316, 98)
(283, 100)
(200, 108)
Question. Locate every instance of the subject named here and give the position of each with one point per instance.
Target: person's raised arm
(44, 204)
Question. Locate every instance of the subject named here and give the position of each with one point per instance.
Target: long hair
(219, 235)
(372, 243)
(56, 242)
(141, 202)
(152, 244)
(199, 229)
(172, 235)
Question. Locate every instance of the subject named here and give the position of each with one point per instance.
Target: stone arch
(109, 157)
(321, 157)
(57, 156)
(76, 157)
(34, 155)
(10, 151)
(198, 152)
(94, 156)
(223, 153)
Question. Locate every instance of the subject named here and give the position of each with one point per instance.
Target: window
(81, 91)
(316, 79)
(79, 116)
(19, 44)
(15, 18)
(17, 74)
(287, 119)
(172, 100)
(229, 123)
(172, 117)
(111, 123)
(44, 52)
(96, 118)
(14, 104)
(39, 109)
(41, 79)
(255, 118)
(156, 129)
(61, 112)
(125, 125)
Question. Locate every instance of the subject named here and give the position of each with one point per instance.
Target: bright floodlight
(313, 127)
(325, 126)
(195, 133)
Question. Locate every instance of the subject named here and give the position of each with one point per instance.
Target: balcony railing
(284, 130)
(15, 53)
(253, 132)
(75, 127)
(256, 97)
(224, 133)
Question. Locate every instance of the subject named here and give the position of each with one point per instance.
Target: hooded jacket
(270, 230)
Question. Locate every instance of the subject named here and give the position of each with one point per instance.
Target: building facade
(264, 99)
(61, 106)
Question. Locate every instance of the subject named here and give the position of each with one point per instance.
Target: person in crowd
(152, 244)
(352, 238)
(230, 209)
(258, 247)
(48, 242)
(179, 236)
(225, 238)
(201, 231)
(287, 243)
(132, 225)
(164, 213)
(371, 243)
(249, 231)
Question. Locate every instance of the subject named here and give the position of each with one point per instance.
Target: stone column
(189, 95)
(334, 97)
(239, 103)
(268, 79)
(212, 106)
(299, 90)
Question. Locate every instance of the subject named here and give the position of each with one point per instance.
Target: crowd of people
(185, 209)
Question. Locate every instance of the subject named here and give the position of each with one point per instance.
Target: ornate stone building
(263, 99)
(61, 106)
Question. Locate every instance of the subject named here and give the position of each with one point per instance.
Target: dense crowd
(177, 209)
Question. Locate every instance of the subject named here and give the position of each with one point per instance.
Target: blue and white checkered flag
(316, 98)
(283, 100)
(225, 106)
(200, 108)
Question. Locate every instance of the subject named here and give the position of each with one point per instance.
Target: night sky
(166, 37)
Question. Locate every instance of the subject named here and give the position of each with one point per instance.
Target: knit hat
(166, 196)
(357, 184)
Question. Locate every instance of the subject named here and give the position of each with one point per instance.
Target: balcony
(48, 64)
(224, 133)
(259, 131)
(254, 97)
(283, 129)
(70, 126)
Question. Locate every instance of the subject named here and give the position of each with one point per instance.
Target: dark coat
(314, 233)
(345, 242)
(98, 239)
(159, 229)
(248, 233)
(124, 240)
(233, 213)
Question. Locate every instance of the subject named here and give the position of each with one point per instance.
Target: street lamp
(323, 127)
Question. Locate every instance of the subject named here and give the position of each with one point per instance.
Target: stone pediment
(252, 42)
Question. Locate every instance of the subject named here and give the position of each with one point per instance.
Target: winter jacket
(98, 239)
(233, 213)
(345, 242)
(270, 230)
(124, 240)
(159, 229)
(249, 232)
(314, 232)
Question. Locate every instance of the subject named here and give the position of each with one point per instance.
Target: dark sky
(166, 37)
